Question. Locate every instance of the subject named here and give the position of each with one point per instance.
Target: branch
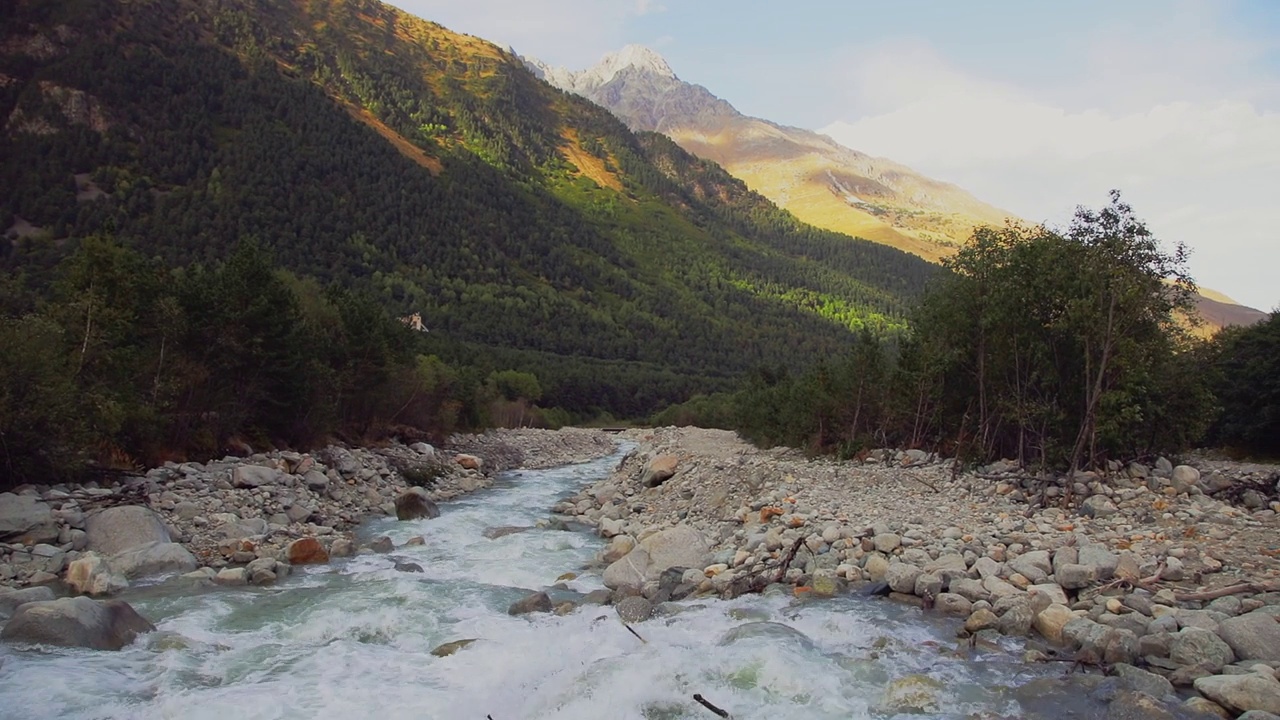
(1220, 592)
(707, 704)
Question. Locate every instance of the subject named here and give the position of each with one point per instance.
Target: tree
(1245, 364)
(1049, 344)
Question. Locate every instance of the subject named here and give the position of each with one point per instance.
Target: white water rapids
(352, 640)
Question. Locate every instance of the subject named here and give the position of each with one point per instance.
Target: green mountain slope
(370, 149)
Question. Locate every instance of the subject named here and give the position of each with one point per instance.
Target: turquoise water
(353, 640)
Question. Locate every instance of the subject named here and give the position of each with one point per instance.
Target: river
(352, 640)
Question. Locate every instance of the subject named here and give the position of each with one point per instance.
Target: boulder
(912, 695)
(680, 546)
(24, 520)
(232, 577)
(1242, 693)
(629, 571)
(469, 462)
(659, 469)
(1143, 681)
(343, 547)
(252, 476)
(634, 609)
(153, 559)
(306, 551)
(124, 527)
(316, 480)
(382, 544)
(953, 604)
(76, 622)
(261, 571)
(238, 528)
(414, 504)
(90, 574)
(1074, 576)
(1050, 622)
(1035, 565)
(534, 602)
(901, 577)
(1098, 506)
(450, 648)
(11, 599)
(1183, 478)
(1252, 636)
(1195, 646)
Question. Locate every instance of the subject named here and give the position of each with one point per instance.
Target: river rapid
(353, 639)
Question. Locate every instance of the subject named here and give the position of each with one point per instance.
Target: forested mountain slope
(373, 150)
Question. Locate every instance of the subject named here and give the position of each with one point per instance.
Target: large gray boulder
(414, 504)
(25, 520)
(1194, 646)
(628, 571)
(1241, 693)
(1253, 636)
(252, 476)
(153, 559)
(124, 527)
(680, 546)
(76, 622)
(11, 599)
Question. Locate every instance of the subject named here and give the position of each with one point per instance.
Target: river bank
(1153, 577)
(224, 515)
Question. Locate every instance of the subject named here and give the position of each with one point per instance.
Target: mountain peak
(630, 56)
(635, 57)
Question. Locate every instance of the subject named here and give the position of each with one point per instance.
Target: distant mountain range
(817, 179)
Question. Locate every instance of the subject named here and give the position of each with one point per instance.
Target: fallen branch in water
(632, 631)
(707, 704)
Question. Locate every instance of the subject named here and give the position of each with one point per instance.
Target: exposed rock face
(535, 602)
(92, 575)
(414, 503)
(76, 622)
(124, 527)
(659, 470)
(1253, 636)
(11, 599)
(153, 559)
(26, 520)
(1242, 693)
(307, 551)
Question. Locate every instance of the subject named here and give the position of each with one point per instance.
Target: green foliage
(268, 119)
(1058, 348)
(1245, 367)
(125, 361)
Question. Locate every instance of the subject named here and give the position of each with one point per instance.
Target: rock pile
(247, 520)
(1151, 575)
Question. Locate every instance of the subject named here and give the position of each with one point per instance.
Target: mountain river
(353, 640)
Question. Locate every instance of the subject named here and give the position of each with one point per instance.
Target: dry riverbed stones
(1156, 572)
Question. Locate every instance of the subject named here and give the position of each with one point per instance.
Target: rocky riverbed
(1164, 575)
(244, 520)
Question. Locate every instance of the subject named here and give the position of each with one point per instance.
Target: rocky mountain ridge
(816, 178)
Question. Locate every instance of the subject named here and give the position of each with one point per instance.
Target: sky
(1034, 107)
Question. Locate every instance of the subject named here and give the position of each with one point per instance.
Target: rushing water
(353, 640)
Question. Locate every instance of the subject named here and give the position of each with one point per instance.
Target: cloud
(1193, 144)
(646, 7)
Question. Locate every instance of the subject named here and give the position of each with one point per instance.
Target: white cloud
(1196, 152)
(646, 7)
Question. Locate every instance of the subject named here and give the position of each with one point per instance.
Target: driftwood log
(757, 583)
